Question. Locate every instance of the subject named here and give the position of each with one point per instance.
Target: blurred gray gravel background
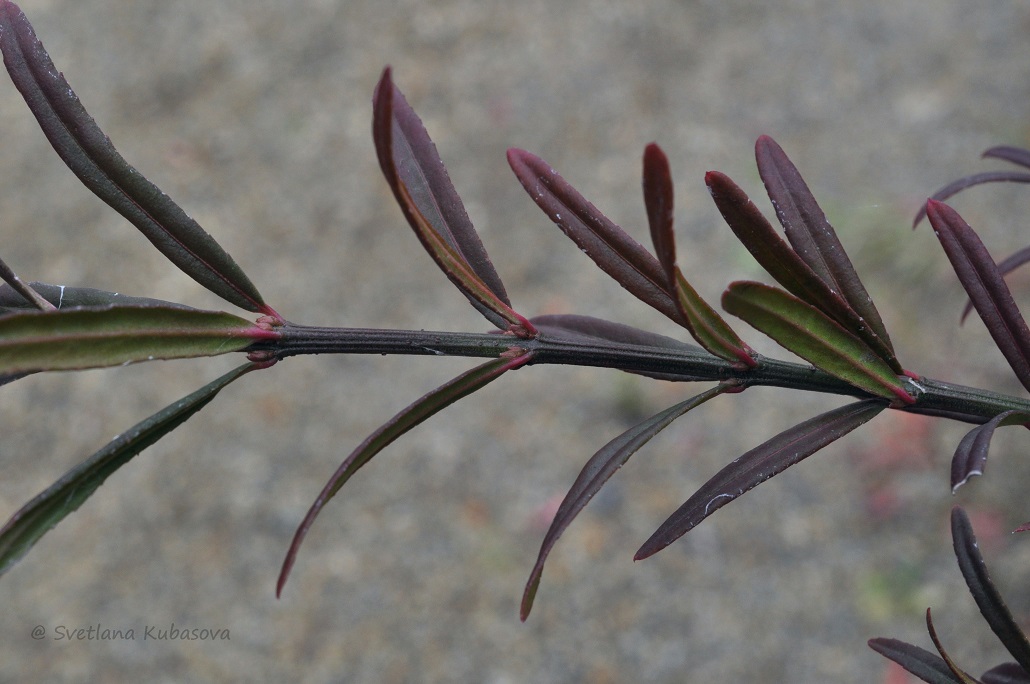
(255, 116)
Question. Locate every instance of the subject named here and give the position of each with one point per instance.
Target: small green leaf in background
(42, 513)
(72, 339)
(808, 332)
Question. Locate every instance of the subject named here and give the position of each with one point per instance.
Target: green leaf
(708, 328)
(813, 237)
(90, 155)
(815, 337)
(705, 325)
(785, 265)
(418, 412)
(42, 513)
(72, 339)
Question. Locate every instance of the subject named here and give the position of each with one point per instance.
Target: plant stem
(688, 364)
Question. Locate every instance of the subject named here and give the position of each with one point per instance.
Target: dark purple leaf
(758, 465)
(814, 336)
(927, 666)
(658, 200)
(811, 234)
(610, 247)
(704, 324)
(971, 455)
(589, 330)
(89, 153)
(575, 326)
(431, 206)
(1005, 266)
(987, 598)
(1016, 155)
(985, 286)
(421, 170)
(1006, 673)
(421, 410)
(961, 184)
(61, 297)
(781, 262)
(597, 471)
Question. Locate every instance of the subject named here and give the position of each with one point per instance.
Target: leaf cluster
(818, 309)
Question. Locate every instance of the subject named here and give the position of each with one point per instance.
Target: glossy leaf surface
(63, 497)
(423, 409)
(971, 455)
(72, 339)
(985, 286)
(597, 471)
(809, 333)
(758, 465)
(62, 297)
(89, 153)
(781, 262)
(987, 598)
(608, 245)
(705, 325)
(811, 234)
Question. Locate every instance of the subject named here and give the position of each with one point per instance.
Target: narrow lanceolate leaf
(709, 328)
(811, 234)
(658, 201)
(52, 505)
(576, 327)
(985, 286)
(597, 471)
(705, 325)
(90, 155)
(971, 455)
(591, 331)
(62, 297)
(72, 339)
(960, 674)
(1015, 155)
(413, 415)
(419, 182)
(987, 598)
(781, 262)
(812, 335)
(929, 667)
(1005, 266)
(758, 465)
(608, 245)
